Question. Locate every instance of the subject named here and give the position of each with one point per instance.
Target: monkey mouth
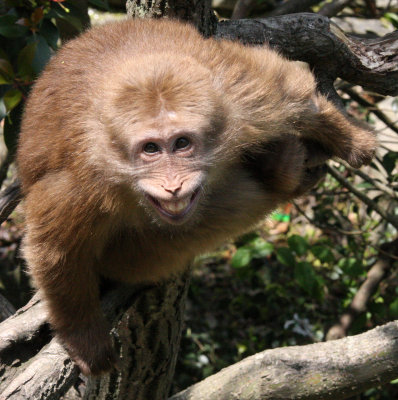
(175, 211)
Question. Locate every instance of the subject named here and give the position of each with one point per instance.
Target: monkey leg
(59, 246)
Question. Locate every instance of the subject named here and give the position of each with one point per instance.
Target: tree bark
(147, 337)
(370, 63)
(35, 367)
(147, 324)
(332, 370)
(199, 13)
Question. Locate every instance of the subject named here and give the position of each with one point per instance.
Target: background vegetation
(301, 273)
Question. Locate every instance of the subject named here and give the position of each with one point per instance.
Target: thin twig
(372, 108)
(392, 219)
(325, 226)
(378, 185)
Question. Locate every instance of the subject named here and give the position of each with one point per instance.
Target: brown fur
(258, 133)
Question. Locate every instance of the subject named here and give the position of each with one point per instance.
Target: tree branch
(392, 219)
(9, 199)
(372, 108)
(358, 305)
(331, 370)
(334, 7)
(371, 63)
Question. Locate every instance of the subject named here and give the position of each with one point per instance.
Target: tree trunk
(147, 338)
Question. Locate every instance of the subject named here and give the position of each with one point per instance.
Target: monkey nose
(172, 188)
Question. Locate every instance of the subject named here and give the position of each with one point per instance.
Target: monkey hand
(91, 349)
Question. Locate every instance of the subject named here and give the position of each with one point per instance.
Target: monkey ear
(337, 134)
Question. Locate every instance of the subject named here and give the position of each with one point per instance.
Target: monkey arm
(60, 245)
(273, 97)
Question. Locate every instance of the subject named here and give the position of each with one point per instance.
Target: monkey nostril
(172, 189)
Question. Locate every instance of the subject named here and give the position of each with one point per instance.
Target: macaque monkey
(143, 145)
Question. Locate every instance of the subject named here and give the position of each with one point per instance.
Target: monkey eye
(151, 148)
(182, 143)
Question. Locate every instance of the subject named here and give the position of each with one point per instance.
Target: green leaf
(25, 60)
(12, 98)
(394, 308)
(103, 4)
(50, 32)
(390, 161)
(42, 55)
(285, 256)
(306, 277)
(351, 266)
(392, 17)
(65, 14)
(298, 244)
(10, 29)
(260, 248)
(323, 253)
(241, 258)
(6, 72)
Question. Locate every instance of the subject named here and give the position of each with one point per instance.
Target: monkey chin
(171, 212)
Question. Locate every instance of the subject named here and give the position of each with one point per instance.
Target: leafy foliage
(29, 35)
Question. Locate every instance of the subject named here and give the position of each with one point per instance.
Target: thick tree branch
(371, 63)
(147, 323)
(331, 370)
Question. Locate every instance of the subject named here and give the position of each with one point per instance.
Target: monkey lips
(175, 212)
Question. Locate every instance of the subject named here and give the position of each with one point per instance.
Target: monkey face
(171, 173)
(166, 125)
